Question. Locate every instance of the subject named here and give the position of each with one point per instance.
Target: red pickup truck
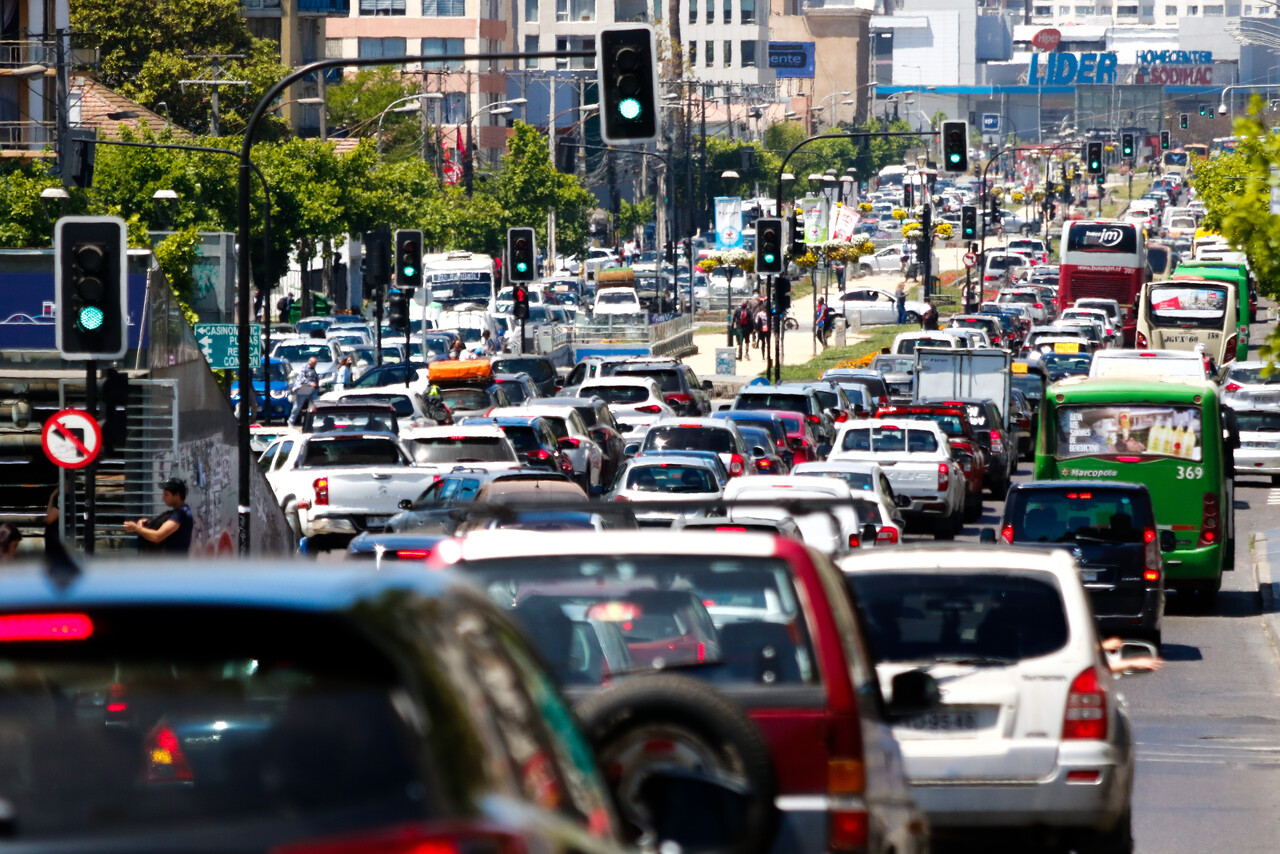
(960, 433)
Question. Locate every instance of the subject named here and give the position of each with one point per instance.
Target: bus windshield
(1142, 430)
(461, 287)
(1195, 306)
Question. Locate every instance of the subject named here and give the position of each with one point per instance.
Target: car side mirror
(869, 532)
(1168, 541)
(914, 693)
(987, 535)
(724, 407)
(902, 502)
(404, 504)
(707, 386)
(1131, 649)
(757, 451)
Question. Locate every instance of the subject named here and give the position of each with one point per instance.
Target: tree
(356, 103)
(528, 186)
(632, 217)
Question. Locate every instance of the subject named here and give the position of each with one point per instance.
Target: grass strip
(832, 357)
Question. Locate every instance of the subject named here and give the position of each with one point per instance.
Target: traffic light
(115, 410)
(781, 295)
(1204, 110)
(377, 258)
(1126, 145)
(968, 222)
(628, 84)
(520, 302)
(908, 196)
(408, 258)
(90, 277)
(995, 209)
(795, 229)
(522, 255)
(1093, 158)
(398, 310)
(769, 246)
(955, 147)
(1164, 135)
(1182, 121)
(671, 252)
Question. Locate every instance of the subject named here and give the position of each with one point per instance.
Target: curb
(1268, 589)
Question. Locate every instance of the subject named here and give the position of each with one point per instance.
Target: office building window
(1148, 11)
(728, 53)
(382, 7)
(530, 46)
(443, 48)
(693, 11)
(444, 8)
(1104, 10)
(710, 60)
(531, 10)
(748, 54)
(1084, 11)
(1130, 11)
(1214, 11)
(1043, 11)
(1233, 11)
(578, 43)
(711, 11)
(1248, 10)
(1063, 11)
(453, 109)
(728, 11)
(1171, 11)
(333, 48)
(747, 15)
(693, 54)
(575, 10)
(375, 48)
(1193, 10)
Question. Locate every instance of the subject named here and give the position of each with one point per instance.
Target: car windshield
(680, 438)
(889, 440)
(960, 616)
(464, 398)
(278, 372)
(323, 453)
(461, 449)
(1148, 430)
(402, 404)
(1080, 515)
(856, 479)
(289, 715)
(1258, 421)
(1060, 365)
(1025, 299)
(1032, 385)
(523, 437)
(618, 393)
(773, 400)
(367, 422)
(671, 477)
(737, 619)
(302, 352)
(666, 378)
(616, 296)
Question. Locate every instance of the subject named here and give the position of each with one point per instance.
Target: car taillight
(539, 454)
(621, 498)
(884, 401)
(842, 417)
(651, 409)
(572, 442)
(321, 486)
(887, 536)
(1086, 713)
(166, 762)
(1140, 341)
(735, 465)
(414, 839)
(1006, 533)
(855, 541)
(1039, 305)
(944, 477)
(1209, 522)
(764, 464)
(1233, 387)
(848, 829)
(679, 399)
(813, 419)
(997, 442)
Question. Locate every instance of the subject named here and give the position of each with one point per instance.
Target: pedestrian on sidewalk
(929, 322)
(900, 300)
(169, 531)
(762, 330)
(743, 325)
(306, 389)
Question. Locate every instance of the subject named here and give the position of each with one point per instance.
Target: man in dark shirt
(174, 533)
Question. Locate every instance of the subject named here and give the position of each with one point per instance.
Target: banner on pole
(843, 223)
(815, 219)
(728, 222)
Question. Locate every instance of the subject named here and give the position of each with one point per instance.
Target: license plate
(943, 722)
(1066, 347)
(376, 521)
(1088, 575)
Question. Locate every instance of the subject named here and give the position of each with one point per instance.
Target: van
(1003, 268)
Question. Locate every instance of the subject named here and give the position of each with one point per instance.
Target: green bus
(1166, 435)
(1236, 274)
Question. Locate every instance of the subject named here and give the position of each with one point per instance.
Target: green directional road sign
(220, 343)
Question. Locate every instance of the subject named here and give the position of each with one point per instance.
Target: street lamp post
(497, 108)
(845, 94)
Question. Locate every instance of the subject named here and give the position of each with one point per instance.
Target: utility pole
(214, 82)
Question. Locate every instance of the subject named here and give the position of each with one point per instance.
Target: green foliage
(631, 217)
(726, 155)
(866, 156)
(26, 221)
(176, 255)
(356, 103)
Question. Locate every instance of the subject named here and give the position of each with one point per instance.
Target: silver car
(1245, 387)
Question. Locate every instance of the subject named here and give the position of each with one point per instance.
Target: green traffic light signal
(769, 257)
(521, 266)
(629, 109)
(90, 318)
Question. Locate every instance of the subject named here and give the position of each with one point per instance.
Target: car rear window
(889, 440)
(540, 369)
(402, 404)
(592, 616)
(667, 380)
(1258, 421)
(159, 719)
(982, 618)
(464, 398)
(351, 452)
(460, 449)
(1075, 515)
(789, 402)
(672, 477)
(618, 393)
(856, 479)
(675, 438)
(515, 391)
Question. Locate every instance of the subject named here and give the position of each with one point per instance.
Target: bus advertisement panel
(1106, 260)
(1181, 313)
(1166, 435)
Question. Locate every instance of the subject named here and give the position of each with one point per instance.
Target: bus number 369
(1190, 472)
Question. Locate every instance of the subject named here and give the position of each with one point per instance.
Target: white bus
(1179, 313)
(453, 278)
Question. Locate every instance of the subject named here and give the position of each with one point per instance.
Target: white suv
(1031, 734)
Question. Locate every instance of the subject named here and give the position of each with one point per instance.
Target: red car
(803, 440)
(790, 652)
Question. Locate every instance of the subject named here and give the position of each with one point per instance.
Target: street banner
(728, 222)
(815, 219)
(843, 223)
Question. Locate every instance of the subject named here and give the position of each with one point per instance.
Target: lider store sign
(1067, 69)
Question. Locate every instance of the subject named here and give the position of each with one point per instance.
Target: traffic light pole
(91, 470)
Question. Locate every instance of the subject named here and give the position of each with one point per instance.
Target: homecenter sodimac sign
(1174, 67)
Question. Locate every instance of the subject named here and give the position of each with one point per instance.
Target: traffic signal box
(398, 310)
(781, 294)
(1093, 158)
(795, 230)
(1164, 135)
(408, 258)
(1126, 145)
(520, 301)
(955, 147)
(90, 275)
(1182, 123)
(968, 222)
(769, 246)
(628, 84)
(522, 255)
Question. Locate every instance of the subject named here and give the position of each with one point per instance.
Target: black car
(680, 386)
(430, 512)
(389, 374)
(1031, 379)
(540, 368)
(347, 711)
(999, 440)
(1110, 529)
(535, 442)
(1009, 332)
(601, 426)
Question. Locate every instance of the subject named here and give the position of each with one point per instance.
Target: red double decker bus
(1103, 259)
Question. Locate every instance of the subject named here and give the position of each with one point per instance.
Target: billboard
(792, 59)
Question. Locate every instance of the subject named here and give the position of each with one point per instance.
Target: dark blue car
(278, 399)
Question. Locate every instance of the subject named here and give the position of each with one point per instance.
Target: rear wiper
(1085, 538)
(975, 660)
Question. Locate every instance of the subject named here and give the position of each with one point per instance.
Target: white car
(616, 301)
(571, 434)
(471, 445)
(887, 260)
(1109, 329)
(1244, 386)
(1259, 451)
(1147, 364)
(876, 306)
(721, 437)
(1027, 298)
(298, 350)
(411, 408)
(1031, 734)
(667, 477)
(867, 481)
(974, 339)
(636, 402)
(815, 526)
(905, 343)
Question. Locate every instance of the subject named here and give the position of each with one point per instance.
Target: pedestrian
(743, 325)
(929, 322)
(306, 388)
(342, 378)
(762, 330)
(53, 547)
(900, 301)
(455, 352)
(904, 256)
(487, 345)
(10, 538)
(170, 531)
(971, 298)
(820, 321)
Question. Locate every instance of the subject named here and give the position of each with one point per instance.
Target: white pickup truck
(332, 486)
(916, 457)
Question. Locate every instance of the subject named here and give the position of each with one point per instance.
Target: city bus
(1197, 151)
(1103, 259)
(1176, 159)
(1235, 270)
(452, 278)
(1165, 434)
(1181, 312)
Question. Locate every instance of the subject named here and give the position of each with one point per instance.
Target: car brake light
(1151, 575)
(1007, 533)
(855, 541)
(321, 486)
(1233, 387)
(539, 454)
(412, 554)
(1086, 712)
(887, 536)
(997, 442)
(842, 417)
(45, 627)
(166, 762)
(944, 477)
(1039, 305)
(1209, 522)
(813, 419)
(651, 409)
(621, 498)
(679, 398)
(735, 465)
(572, 442)
(413, 839)
(1140, 341)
